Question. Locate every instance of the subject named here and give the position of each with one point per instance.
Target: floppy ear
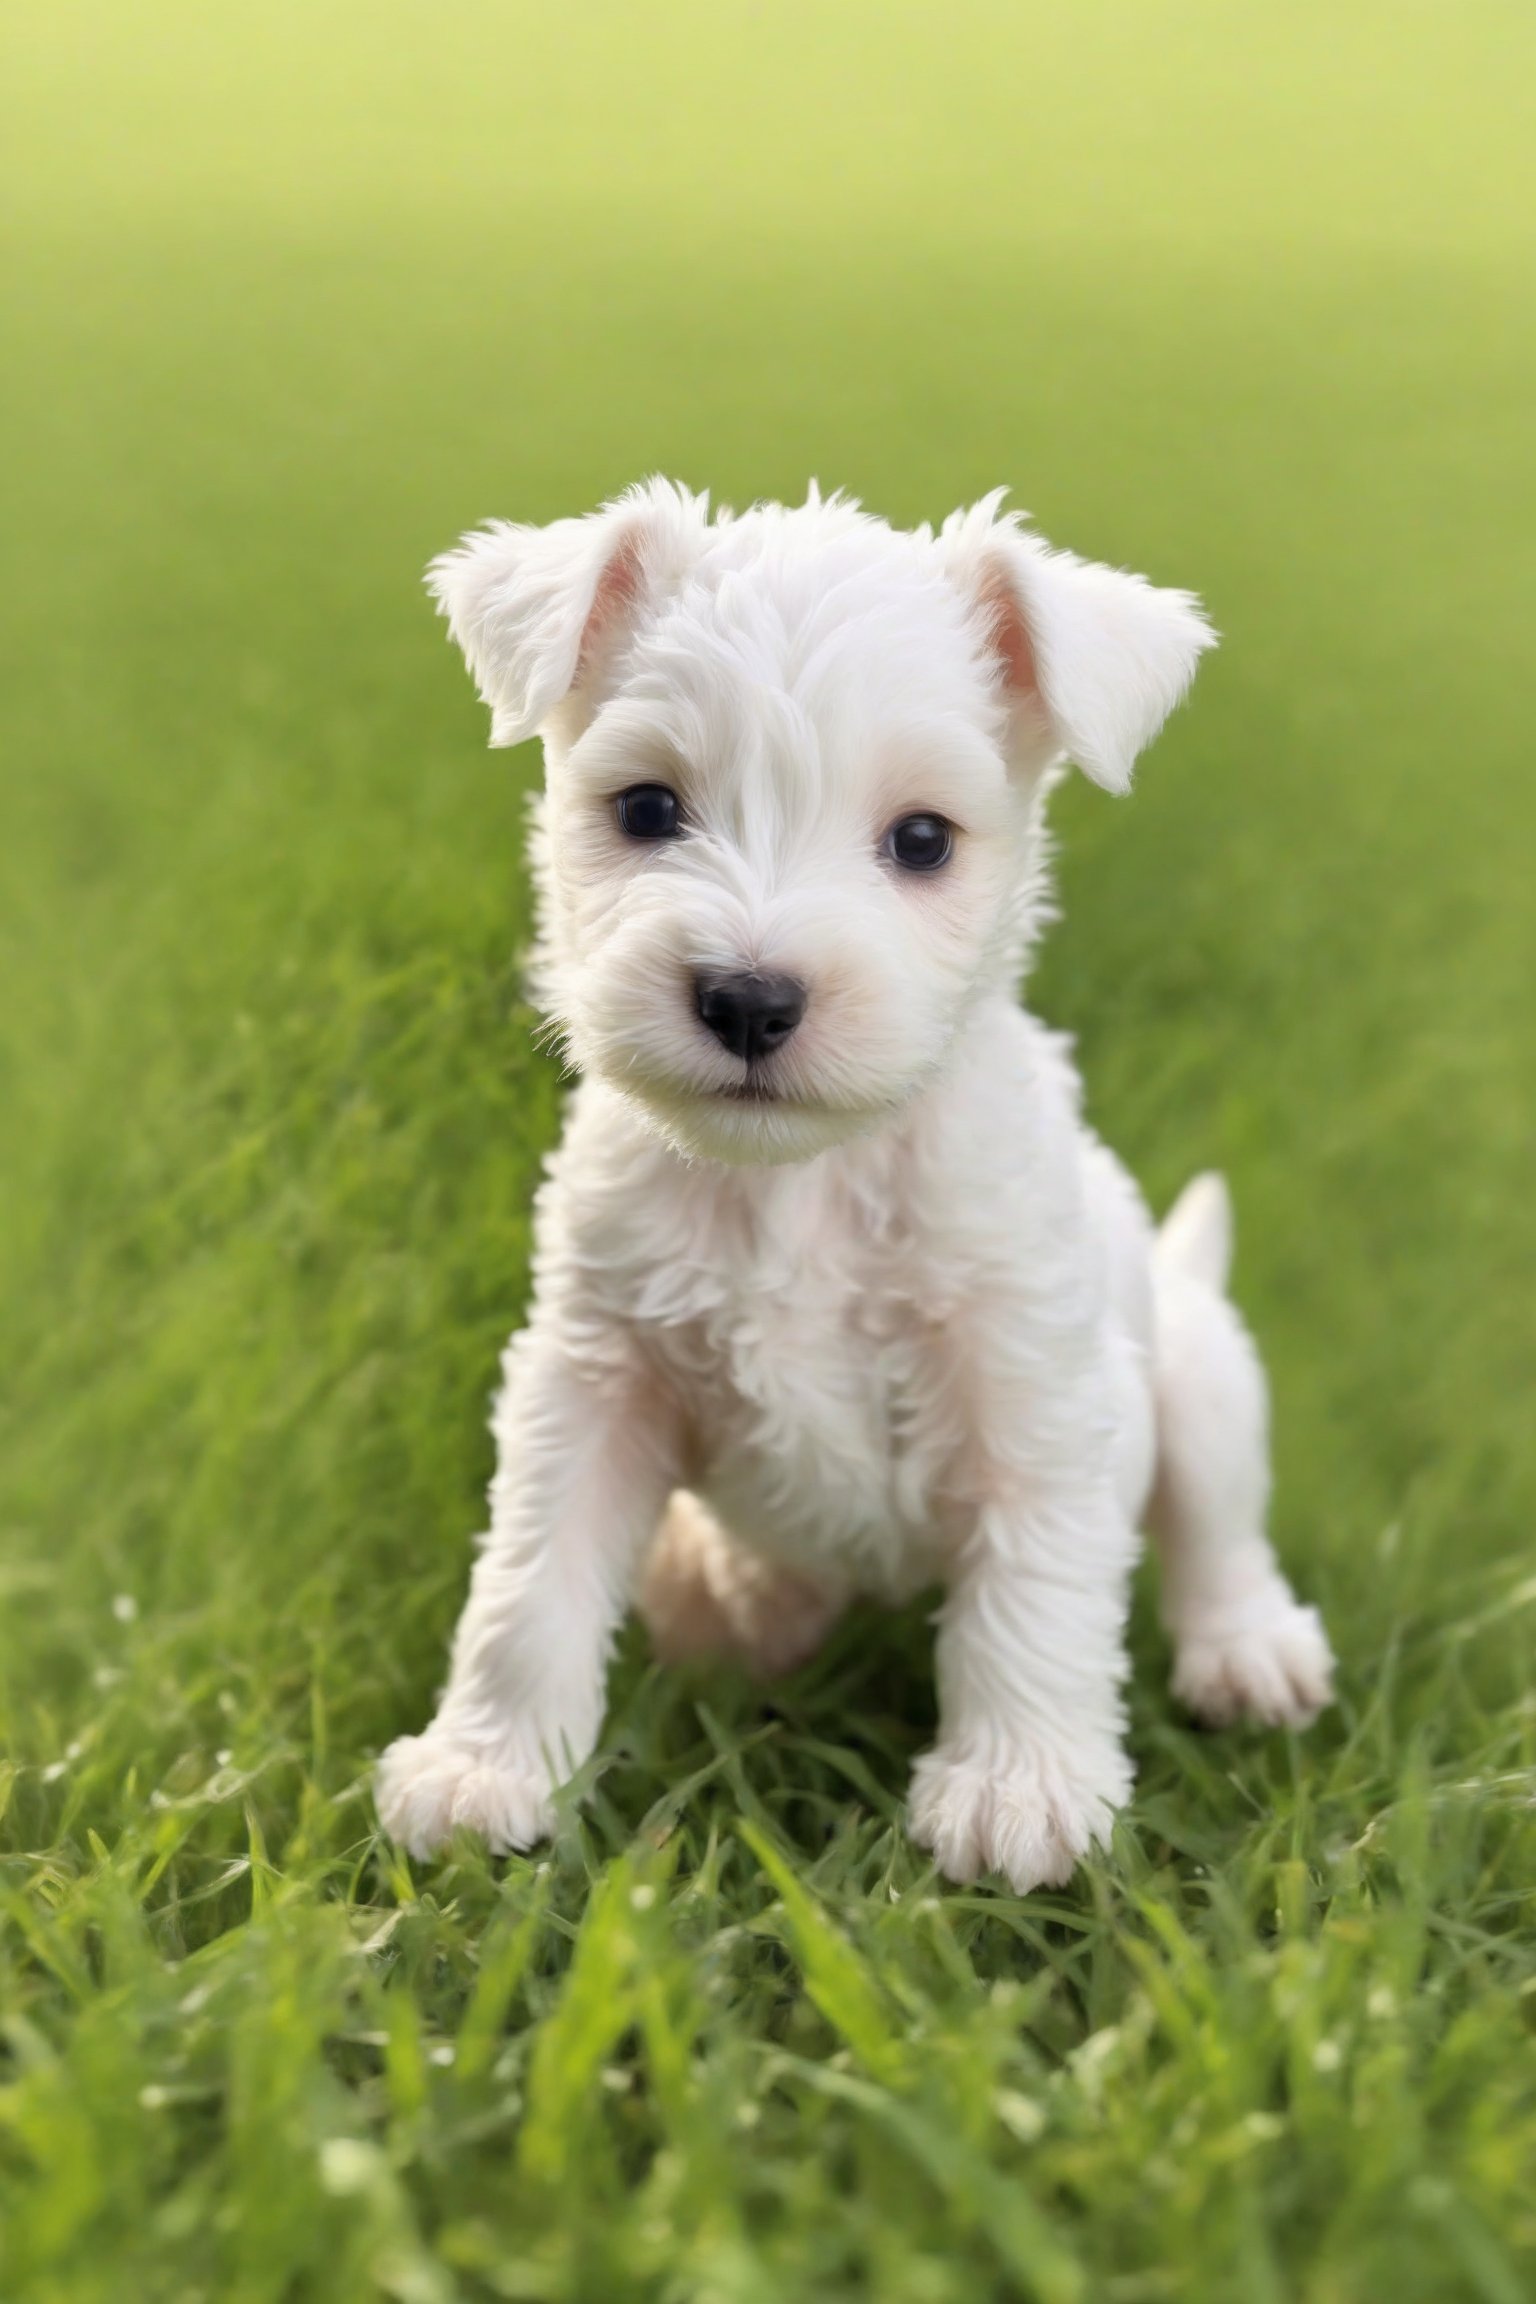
(1091, 660)
(537, 611)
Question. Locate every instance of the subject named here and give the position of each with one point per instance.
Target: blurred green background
(1240, 296)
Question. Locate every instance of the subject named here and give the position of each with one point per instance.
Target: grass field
(1240, 296)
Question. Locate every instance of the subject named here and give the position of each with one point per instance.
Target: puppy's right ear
(1089, 661)
(538, 611)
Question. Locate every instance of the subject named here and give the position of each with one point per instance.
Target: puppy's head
(794, 763)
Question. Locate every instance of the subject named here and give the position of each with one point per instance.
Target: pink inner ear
(1008, 634)
(618, 589)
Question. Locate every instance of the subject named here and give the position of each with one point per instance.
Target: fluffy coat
(875, 1310)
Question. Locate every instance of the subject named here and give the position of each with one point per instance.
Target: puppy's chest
(805, 1365)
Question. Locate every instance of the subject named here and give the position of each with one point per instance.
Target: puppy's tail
(1196, 1234)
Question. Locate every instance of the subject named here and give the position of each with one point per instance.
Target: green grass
(1240, 296)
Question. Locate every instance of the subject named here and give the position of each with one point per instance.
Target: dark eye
(920, 843)
(649, 812)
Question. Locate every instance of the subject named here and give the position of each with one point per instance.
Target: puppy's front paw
(1268, 1660)
(1027, 1816)
(428, 1785)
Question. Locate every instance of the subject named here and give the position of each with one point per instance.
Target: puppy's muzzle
(751, 1014)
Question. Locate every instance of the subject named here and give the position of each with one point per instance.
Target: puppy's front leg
(1029, 1766)
(586, 1459)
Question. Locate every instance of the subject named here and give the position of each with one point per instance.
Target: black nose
(750, 1014)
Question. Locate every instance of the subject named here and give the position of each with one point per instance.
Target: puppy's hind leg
(701, 1594)
(1244, 1645)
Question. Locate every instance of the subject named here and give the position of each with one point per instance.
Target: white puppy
(834, 1291)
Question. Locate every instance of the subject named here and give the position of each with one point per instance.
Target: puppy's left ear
(1090, 661)
(539, 612)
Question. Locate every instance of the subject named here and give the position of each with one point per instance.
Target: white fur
(904, 1320)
